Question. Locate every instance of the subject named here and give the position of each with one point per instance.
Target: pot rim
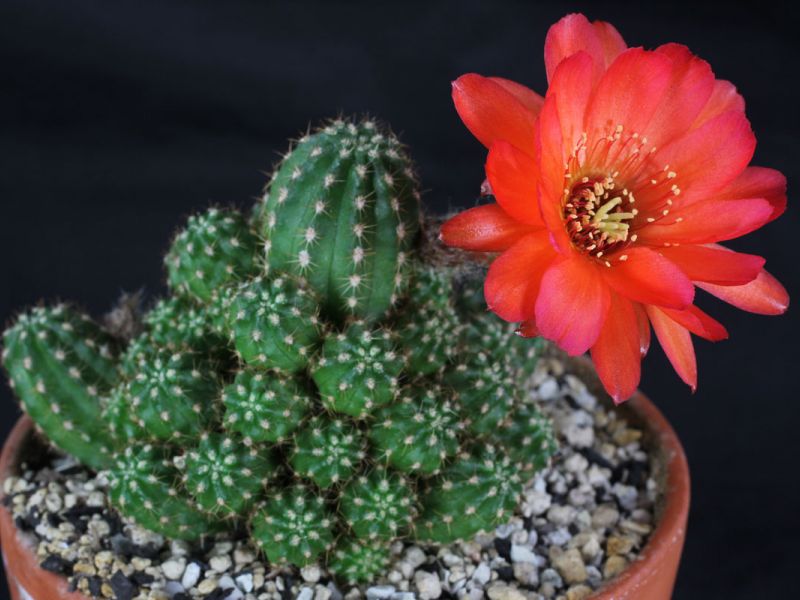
(670, 529)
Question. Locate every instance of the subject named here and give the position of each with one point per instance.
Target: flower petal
(485, 228)
(551, 173)
(528, 329)
(572, 304)
(492, 113)
(677, 344)
(647, 277)
(707, 158)
(708, 221)
(611, 40)
(513, 281)
(644, 328)
(572, 87)
(574, 33)
(759, 182)
(714, 264)
(723, 99)
(764, 295)
(698, 322)
(527, 97)
(616, 353)
(628, 94)
(690, 87)
(513, 177)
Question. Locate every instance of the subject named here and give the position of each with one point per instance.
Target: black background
(117, 119)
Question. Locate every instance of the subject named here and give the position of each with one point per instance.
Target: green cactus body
(358, 370)
(528, 439)
(60, 363)
(342, 211)
(428, 327)
(419, 432)
(327, 451)
(176, 323)
(172, 394)
(476, 492)
(144, 485)
(484, 392)
(294, 527)
(216, 248)
(225, 476)
(264, 406)
(378, 505)
(275, 324)
(118, 417)
(357, 561)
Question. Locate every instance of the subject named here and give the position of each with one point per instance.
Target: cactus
(427, 328)
(274, 324)
(294, 526)
(177, 324)
(118, 417)
(474, 493)
(144, 485)
(358, 370)
(264, 406)
(216, 248)
(419, 432)
(225, 476)
(342, 211)
(484, 391)
(60, 363)
(358, 561)
(378, 505)
(172, 394)
(527, 437)
(328, 451)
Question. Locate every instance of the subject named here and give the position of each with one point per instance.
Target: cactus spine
(342, 211)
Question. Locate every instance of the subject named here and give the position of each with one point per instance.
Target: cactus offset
(358, 370)
(328, 451)
(358, 561)
(216, 248)
(377, 505)
(274, 324)
(527, 437)
(342, 211)
(60, 363)
(225, 476)
(264, 406)
(419, 432)
(294, 526)
(145, 486)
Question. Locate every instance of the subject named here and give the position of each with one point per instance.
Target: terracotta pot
(650, 578)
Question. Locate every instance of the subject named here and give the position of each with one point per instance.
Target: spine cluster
(331, 395)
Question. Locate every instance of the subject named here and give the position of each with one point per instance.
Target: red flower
(612, 193)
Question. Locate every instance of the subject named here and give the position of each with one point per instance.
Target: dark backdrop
(117, 119)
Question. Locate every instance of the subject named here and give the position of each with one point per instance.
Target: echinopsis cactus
(322, 386)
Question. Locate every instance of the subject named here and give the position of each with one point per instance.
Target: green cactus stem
(60, 363)
(264, 406)
(275, 324)
(355, 561)
(485, 392)
(528, 439)
(429, 324)
(475, 493)
(418, 432)
(358, 370)
(215, 248)
(144, 485)
(342, 211)
(378, 505)
(173, 394)
(294, 526)
(225, 476)
(328, 451)
(177, 323)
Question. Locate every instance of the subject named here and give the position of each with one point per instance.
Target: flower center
(598, 216)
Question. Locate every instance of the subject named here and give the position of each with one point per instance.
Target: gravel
(580, 522)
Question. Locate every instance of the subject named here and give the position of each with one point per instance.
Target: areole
(652, 577)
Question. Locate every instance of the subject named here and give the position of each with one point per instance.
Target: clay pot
(651, 577)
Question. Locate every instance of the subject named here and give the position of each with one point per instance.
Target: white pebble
(305, 594)
(220, 563)
(311, 573)
(245, 582)
(482, 574)
(380, 592)
(428, 585)
(191, 575)
(174, 568)
(522, 554)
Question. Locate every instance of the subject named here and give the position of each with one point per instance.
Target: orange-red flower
(612, 193)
